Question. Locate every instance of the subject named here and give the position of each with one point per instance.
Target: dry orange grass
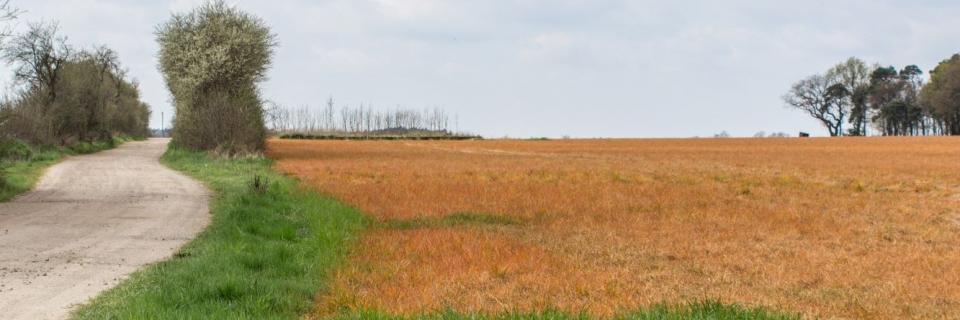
(865, 228)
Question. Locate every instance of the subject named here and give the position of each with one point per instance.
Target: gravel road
(91, 221)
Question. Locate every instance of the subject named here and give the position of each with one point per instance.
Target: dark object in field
(804, 135)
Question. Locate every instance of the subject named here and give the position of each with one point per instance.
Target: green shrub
(46, 155)
(3, 174)
(81, 148)
(15, 150)
(213, 59)
(117, 140)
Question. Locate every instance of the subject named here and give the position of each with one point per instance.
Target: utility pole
(163, 131)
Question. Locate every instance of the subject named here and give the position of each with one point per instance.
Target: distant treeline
(352, 123)
(64, 95)
(855, 99)
(379, 137)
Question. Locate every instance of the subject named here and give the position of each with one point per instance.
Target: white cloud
(550, 47)
(552, 41)
(181, 6)
(409, 9)
(344, 59)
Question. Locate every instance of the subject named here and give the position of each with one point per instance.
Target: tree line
(64, 95)
(857, 99)
(331, 119)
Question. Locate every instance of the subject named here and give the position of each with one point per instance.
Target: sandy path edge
(91, 221)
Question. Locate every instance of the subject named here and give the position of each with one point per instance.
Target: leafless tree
(67, 97)
(819, 96)
(363, 119)
(7, 14)
(38, 55)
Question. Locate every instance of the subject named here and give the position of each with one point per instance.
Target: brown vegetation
(64, 96)
(863, 228)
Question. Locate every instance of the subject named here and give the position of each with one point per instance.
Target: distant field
(865, 228)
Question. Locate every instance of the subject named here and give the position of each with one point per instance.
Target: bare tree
(362, 120)
(69, 97)
(820, 97)
(38, 56)
(7, 13)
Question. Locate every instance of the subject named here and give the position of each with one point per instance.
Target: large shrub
(213, 59)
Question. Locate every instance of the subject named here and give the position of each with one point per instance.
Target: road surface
(91, 221)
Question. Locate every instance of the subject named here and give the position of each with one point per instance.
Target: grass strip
(454, 220)
(19, 176)
(265, 254)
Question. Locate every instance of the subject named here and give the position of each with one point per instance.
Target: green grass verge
(709, 310)
(19, 176)
(265, 254)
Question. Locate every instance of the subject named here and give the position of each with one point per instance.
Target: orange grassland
(849, 227)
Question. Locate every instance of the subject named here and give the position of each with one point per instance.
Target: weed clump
(260, 184)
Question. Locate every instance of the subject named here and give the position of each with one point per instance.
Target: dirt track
(91, 221)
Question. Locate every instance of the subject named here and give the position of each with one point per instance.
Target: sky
(544, 68)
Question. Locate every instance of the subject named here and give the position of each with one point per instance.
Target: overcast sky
(584, 68)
